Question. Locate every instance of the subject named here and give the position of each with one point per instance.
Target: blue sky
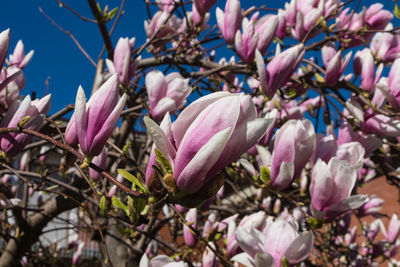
(57, 57)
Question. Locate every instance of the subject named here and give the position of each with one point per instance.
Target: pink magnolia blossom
(166, 5)
(93, 122)
(373, 18)
(393, 230)
(4, 45)
(334, 63)
(386, 46)
(280, 239)
(279, 70)
(13, 143)
(203, 6)
(246, 44)
(293, 146)
(99, 160)
(166, 93)
(123, 65)
(364, 64)
(229, 20)
(208, 135)
(160, 261)
(18, 58)
(331, 187)
(189, 237)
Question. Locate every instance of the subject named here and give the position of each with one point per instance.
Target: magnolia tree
(182, 157)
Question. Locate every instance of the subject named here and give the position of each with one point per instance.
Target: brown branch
(75, 12)
(102, 27)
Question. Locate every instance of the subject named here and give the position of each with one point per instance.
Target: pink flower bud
(335, 66)
(4, 44)
(13, 143)
(43, 152)
(386, 46)
(208, 135)
(373, 205)
(166, 5)
(166, 94)
(265, 27)
(246, 44)
(279, 240)
(203, 6)
(293, 147)
(209, 225)
(209, 258)
(99, 160)
(160, 26)
(393, 230)
(331, 186)
(279, 70)
(188, 236)
(229, 20)
(364, 64)
(78, 253)
(382, 125)
(123, 64)
(18, 58)
(373, 229)
(92, 123)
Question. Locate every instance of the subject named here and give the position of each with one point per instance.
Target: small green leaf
(118, 203)
(23, 121)
(112, 13)
(162, 162)
(126, 147)
(319, 78)
(217, 236)
(284, 262)
(396, 11)
(134, 180)
(315, 223)
(131, 208)
(103, 205)
(265, 174)
(140, 204)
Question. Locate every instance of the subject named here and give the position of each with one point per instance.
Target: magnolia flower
(208, 135)
(163, 24)
(246, 44)
(279, 70)
(33, 111)
(203, 6)
(166, 94)
(334, 63)
(374, 18)
(93, 122)
(393, 230)
(191, 218)
(160, 261)
(166, 5)
(280, 240)
(386, 46)
(363, 64)
(18, 58)
(99, 160)
(294, 144)
(123, 65)
(229, 20)
(4, 44)
(331, 187)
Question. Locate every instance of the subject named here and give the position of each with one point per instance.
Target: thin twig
(69, 34)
